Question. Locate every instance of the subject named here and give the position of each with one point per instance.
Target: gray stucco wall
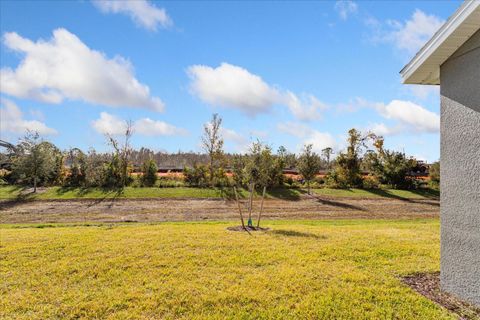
(460, 172)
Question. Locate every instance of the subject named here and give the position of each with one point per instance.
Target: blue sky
(287, 73)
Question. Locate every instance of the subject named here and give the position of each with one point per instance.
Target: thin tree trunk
(34, 184)
(211, 169)
(261, 207)
(239, 208)
(250, 207)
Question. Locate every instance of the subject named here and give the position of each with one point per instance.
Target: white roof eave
(424, 68)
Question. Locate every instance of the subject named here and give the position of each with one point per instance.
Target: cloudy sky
(287, 73)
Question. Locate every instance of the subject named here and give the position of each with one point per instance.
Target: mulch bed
(428, 285)
(247, 229)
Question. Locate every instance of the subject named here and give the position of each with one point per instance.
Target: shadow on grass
(81, 191)
(292, 194)
(333, 203)
(21, 197)
(117, 192)
(228, 193)
(16, 189)
(110, 194)
(426, 193)
(386, 194)
(293, 233)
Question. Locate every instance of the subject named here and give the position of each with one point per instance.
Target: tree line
(37, 162)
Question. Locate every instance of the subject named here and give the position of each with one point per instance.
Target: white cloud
(353, 105)
(142, 12)
(232, 135)
(11, 120)
(372, 22)
(233, 140)
(407, 117)
(318, 140)
(382, 129)
(416, 118)
(149, 127)
(414, 33)
(65, 68)
(295, 129)
(241, 144)
(37, 114)
(423, 92)
(408, 36)
(232, 86)
(345, 8)
(110, 124)
(308, 109)
(263, 134)
(235, 87)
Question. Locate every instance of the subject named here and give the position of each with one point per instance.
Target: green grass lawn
(298, 270)
(12, 192)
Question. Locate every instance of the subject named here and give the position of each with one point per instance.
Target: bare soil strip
(153, 210)
(428, 285)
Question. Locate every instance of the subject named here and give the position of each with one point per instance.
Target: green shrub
(434, 174)
(289, 181)
(319, 181)
(196, 176)
(371, 182)
(333, 181)
(169, 182)
(149, 173)
(238, 169)
(220, 178)
(136, 182)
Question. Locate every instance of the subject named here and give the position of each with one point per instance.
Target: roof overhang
(424, 68)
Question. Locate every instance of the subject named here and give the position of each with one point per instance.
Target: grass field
(299, 269)
(12, 192)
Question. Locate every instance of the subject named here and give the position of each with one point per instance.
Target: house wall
(460, 172)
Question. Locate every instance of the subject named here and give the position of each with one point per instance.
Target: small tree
(112, 175)
(35, 159)
(212, 143)
(389, 167)
(347, 168)
(238, 169)
(309, 164)
(76, 159)
(289, 159)
(327, 153)
(95, 170)
(59, 174)
(196, 176)
(118, 174)
(261, 169)
(149, 173)
(277, 167)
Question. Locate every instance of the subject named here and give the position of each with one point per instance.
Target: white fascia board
(429, 50)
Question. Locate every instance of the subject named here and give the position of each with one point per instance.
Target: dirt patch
(247, 229)
(428, 285)
(154, 210)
